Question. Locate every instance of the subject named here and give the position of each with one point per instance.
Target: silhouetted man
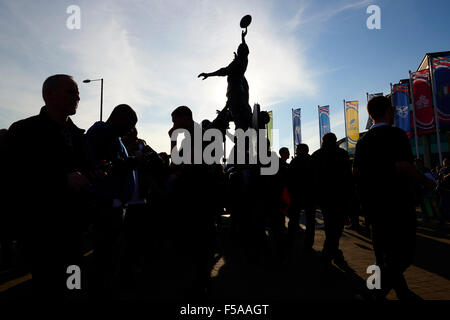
(283, 165)
(47, 158)
(334, 178)
(182, 120)
(284, 156)
(237, 91)
(116, 190)
(191, 210)
(303, 189)
(282, 181)
(385, 173)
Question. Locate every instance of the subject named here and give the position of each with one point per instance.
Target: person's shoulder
(97, 128)
(390, 130)
(364, 138)
(361, 141)
(399, 132)
(294, 163)
(317, 154)
(24, 124)
(99, 133)
(398, 136)
(77, 130)
(342, 153)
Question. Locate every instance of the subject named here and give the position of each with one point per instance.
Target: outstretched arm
(220, 73)
(244, 33)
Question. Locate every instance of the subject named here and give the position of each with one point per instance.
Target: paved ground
(303, 277)
(428, 277)
(234, 276)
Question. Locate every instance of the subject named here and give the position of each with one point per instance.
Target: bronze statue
(237, 91)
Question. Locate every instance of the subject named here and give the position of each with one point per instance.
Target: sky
(303, 54)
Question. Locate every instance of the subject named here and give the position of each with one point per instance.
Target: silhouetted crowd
(153, 224)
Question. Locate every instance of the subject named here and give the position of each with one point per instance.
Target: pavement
(305, 277)
(240, 274)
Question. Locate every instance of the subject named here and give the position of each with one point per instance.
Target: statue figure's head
(242, 50)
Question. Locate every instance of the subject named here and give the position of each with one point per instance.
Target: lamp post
(101, 94)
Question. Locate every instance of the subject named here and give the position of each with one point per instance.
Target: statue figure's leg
(242, 115)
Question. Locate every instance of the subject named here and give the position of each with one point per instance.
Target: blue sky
(302, 54)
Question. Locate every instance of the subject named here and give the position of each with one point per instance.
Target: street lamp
(101, 95)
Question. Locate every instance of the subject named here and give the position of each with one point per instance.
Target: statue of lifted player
(237, 91)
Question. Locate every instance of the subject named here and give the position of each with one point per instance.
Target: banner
(296, 122)
(423, 107)
(400, 101)
(441, 78)
(369, 123)
(351, 124)
(324, 121)
(270, 130)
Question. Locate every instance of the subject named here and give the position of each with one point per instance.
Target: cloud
(303, 17)
(149, 54)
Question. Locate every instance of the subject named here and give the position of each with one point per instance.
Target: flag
(400, 101)
(296, 122)
(423, 107)
(324, 121)
(270, 130)
(441, 78)
(351, 124)
(369, 123)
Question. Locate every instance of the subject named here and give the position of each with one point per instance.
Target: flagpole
(436, 117)
(293, 129)
(320, 133)
(369, 121)
(411, 93)
(300, 118)
(345, 125)
(392, 103)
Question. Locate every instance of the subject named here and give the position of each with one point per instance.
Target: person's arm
(403, 159)
(244, 33)
(222, 72)
(408, 170)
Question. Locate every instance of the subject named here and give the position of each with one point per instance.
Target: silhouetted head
(243, 51)
(329, 140)
(60, 93)
(380, 110)
(123, 118)
(284, 153)
(302, 149)
(206, 124)
(182, 117)
(445, 162)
